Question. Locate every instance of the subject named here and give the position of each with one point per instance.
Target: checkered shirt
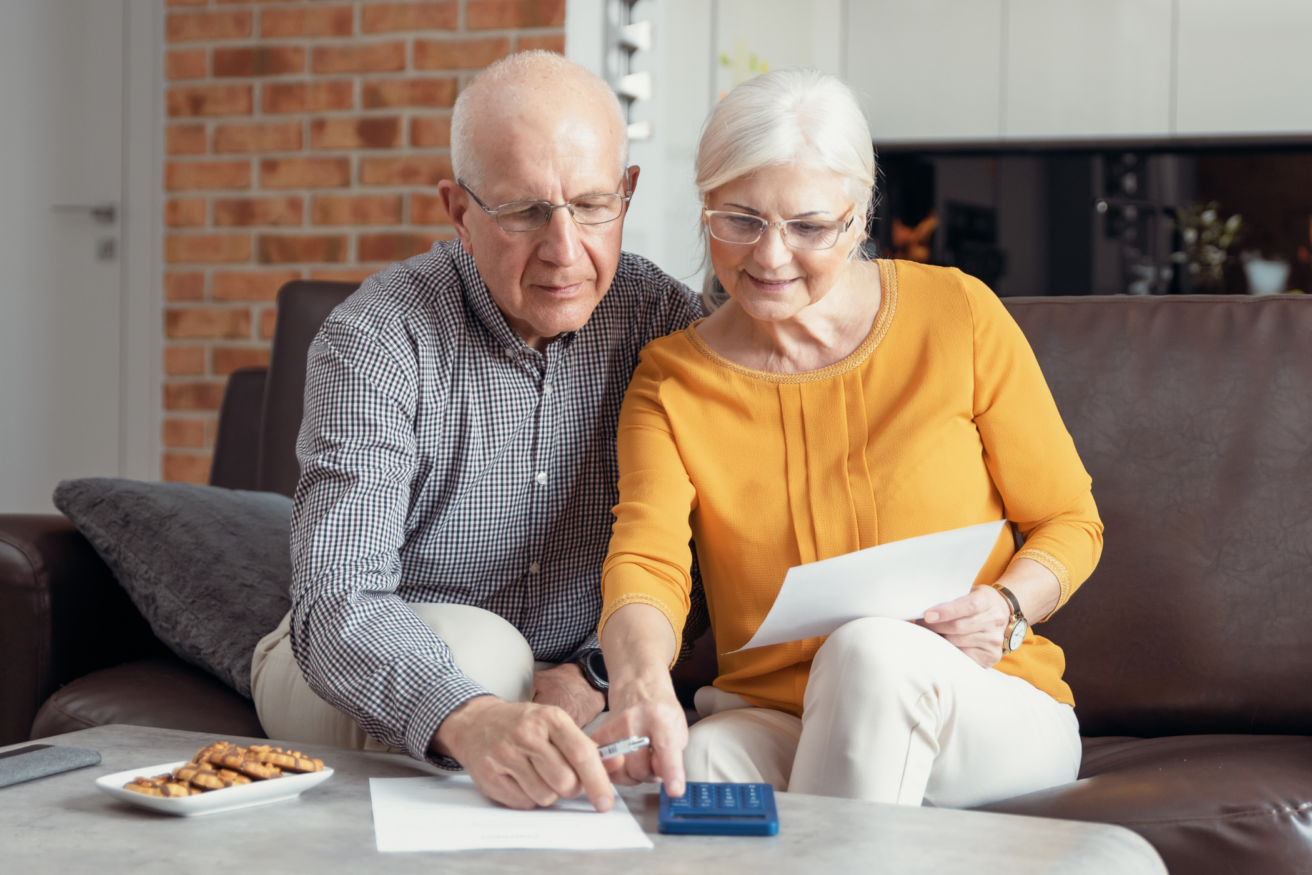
(445, 460)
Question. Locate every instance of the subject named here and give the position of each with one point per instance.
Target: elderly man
(458, 458)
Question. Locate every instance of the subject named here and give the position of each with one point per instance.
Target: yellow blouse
(940, 419)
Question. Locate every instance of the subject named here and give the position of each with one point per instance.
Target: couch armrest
(62, 615)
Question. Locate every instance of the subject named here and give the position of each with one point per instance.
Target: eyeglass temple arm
(477, 200)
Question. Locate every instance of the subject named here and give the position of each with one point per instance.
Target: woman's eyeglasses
(590, 209)
(797, 233)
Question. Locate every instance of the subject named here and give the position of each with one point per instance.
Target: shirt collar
(480, 301)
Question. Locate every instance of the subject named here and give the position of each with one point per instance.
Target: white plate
(212, 801)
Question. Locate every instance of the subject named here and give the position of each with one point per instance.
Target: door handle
(105, 214)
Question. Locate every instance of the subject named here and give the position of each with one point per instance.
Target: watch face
(1017, 635)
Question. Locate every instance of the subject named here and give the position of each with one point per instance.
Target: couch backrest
(1194, 417)
(303, 305)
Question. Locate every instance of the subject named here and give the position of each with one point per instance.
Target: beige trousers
(486, 647)
(892, 713)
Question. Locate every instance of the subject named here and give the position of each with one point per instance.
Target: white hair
(787, 117)
(533, 64)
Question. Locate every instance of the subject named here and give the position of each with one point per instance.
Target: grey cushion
(208, 568)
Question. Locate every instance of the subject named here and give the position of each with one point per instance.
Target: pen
(623, 746)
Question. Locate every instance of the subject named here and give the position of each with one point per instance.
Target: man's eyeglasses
(797, 233)
(590, 209)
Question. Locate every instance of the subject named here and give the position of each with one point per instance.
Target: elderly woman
(832, 404)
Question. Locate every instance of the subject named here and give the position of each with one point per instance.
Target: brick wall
(304, 140)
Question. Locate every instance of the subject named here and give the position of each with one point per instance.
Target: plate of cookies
(220, 777)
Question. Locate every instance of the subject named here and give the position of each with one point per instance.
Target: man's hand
(565, 687)
(524, 754)
(974, 623)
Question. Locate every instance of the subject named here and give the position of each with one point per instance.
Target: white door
(61, 145)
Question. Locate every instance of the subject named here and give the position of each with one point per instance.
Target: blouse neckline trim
(858, 356)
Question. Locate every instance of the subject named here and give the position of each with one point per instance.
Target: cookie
(237, 759)
(287, 760)
(208, 753)
(161, 785)
(233, 779)
(175, 789)
(148, 786)
(206, 777)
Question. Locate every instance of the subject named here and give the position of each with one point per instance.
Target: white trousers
(892, 713)
(486, 647)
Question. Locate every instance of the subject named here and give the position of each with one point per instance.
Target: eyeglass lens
(595, 209)
(798, 233)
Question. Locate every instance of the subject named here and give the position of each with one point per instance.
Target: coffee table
(64, 824)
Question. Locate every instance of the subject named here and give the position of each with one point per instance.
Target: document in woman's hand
(899, 580)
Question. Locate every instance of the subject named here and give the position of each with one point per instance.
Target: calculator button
(728, 796)
(703, 796)
(684, 801)
(753, 797)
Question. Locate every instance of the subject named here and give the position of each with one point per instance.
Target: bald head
(525, 98)
(536, 127)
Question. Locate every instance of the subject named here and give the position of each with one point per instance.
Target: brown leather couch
(1188, 649)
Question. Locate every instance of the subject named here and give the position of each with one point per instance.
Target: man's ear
(632, 174)
(456, 204)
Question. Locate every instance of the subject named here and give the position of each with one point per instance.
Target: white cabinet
(1245, 67)
(1088, 68)
(929, 69)
(984, 70)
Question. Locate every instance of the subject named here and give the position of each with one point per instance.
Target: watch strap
(1017, 616)
(1016, 613)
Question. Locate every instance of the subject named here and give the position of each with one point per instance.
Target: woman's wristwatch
(1014, 637)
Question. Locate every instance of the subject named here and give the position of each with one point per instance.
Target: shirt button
(541, 478)
(534, 568)
(546, 388)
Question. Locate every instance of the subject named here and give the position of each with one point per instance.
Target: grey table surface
(64, 824)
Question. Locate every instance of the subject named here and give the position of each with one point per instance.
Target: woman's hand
(974, 623)
(639, 646)
(660, 717)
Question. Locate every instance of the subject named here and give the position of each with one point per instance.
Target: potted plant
(1207, 240)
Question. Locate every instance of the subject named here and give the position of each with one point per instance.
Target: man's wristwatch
(1014, 637)
(593, 667)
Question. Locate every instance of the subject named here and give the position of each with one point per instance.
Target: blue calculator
(720, 810)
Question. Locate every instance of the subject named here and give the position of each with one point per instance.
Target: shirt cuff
(587, 648)
(432, 713)
(1057, 567)
(640, 598)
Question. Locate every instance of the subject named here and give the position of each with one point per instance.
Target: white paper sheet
(899, 580)
(451, 814)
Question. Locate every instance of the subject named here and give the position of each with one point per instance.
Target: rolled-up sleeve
(358, 644)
